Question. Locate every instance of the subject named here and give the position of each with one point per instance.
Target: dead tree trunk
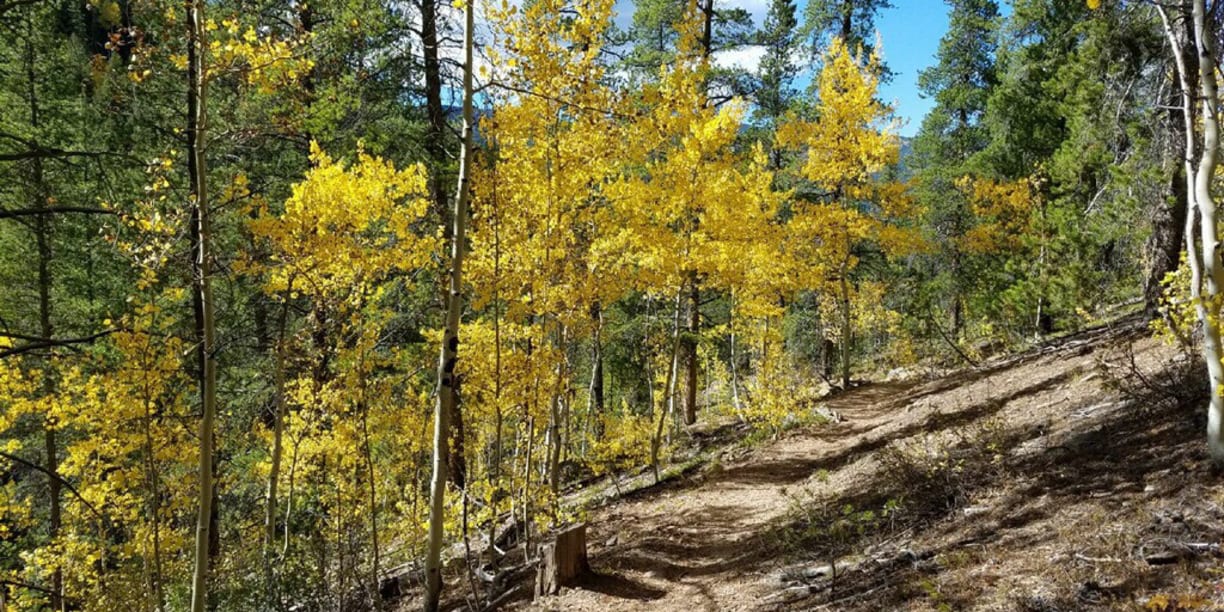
(562, 561)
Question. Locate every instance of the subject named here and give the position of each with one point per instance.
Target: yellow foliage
(1175, 603)
(261, 60)
(624, 442)
(1005, 212)
(345, 227)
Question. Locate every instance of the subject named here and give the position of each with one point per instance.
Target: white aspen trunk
(201, 231)
(1213, 351)
(289, 495)
(595, 392)
(447, 400)
(667, 405)
(1206, 270)
(1193, 257)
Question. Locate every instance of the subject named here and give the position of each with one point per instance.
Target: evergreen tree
(852, 21)
(960, 83)
(653, 38)
(778, 68)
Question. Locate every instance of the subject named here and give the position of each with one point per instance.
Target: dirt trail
(705, 543)
(700, 546)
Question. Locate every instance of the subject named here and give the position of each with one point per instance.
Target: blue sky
(910, 32)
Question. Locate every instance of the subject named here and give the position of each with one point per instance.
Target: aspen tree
(201, 254)
(447, 395)
(1201, 159)
(851, 141)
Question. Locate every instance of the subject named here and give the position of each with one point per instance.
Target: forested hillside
(353, 304)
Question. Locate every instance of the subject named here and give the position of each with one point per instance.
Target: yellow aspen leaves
(263, 61)
(1004, 210)
(844, 151)
(344, 226)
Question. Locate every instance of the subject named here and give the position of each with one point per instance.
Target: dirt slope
(1066, 483)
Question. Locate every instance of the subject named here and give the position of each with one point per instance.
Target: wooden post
(562, 560)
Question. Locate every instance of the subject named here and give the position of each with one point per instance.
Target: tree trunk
(1168, 217)
(1196, 72)
(201, 237)
(735, 394)
(562, 561)
(595, 397)
(42, 237)
(957, 307)
(435, 147)
(496, 458)
(435, 138)
(828, 355)
(447, 402)
(845, 331)
(1209, 310)
(667, 401)
(554, 438)
(690, 352)
(278, 431)
(847, 21)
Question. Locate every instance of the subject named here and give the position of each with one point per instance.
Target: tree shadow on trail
(723, 537)
(614, 585)
(1143, 452)
(674, 552)
(797, 469)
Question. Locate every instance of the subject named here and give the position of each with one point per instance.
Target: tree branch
(35, 343)
(43, 153)
(53, 210)
(602, 111)
(60, 479)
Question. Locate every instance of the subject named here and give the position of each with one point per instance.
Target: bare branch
(602, 111)
(53, 210)
(60, 479)
(34, 343)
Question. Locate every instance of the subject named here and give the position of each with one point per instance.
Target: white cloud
(744, 58)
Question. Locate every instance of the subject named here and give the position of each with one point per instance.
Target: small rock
(973, 511)
(828, 414)
(825, 571)
(612, 541)
(817, 572)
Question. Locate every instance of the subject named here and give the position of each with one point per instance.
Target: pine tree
(851, 21)
(952, 132)
(778, 67)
